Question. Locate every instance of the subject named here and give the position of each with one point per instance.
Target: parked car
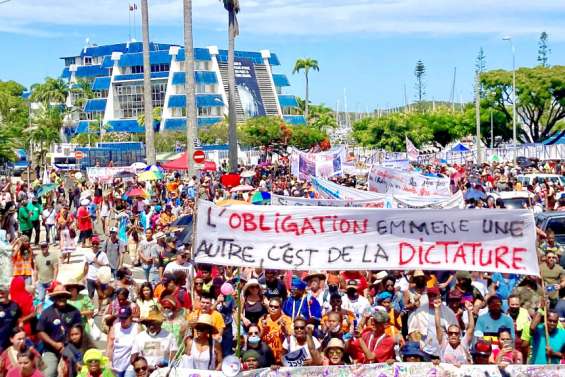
(525, 162)
(528, 179)
(555, 221)
(514, 199)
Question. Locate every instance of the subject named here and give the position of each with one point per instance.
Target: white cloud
(305, 17)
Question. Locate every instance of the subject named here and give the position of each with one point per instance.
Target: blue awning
(460, 148)
(91, 71)
(66, 74)
(288, 101)
(125, 125)
(201, 77)
(95, 105)
(83, 126)
(107, 62)
(558, 138)
(177, 124)
(139, 76)
(280, 80)
(101, 83)
(202, 100)
(199, 54)
(155, 57)
(294, 119)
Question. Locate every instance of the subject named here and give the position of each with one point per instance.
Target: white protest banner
(393, 181)
(307, 238)
(412, 201)
(322, 164)
(330, 190)
(280, 200)
(411, 151)
(381, 370)
(106, 174)
(295, 358)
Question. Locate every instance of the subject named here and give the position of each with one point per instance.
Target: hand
(548, 351)
(309, 329)
(246, 322)
(59, 346)
(390, 361)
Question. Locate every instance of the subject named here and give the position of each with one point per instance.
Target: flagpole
(129, 22)
(134, 9)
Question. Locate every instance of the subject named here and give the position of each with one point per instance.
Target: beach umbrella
(149, 175)
(136, 192)
(230, 180)
(242, 188)
(261, 197)
(230, 202)
(138, 165)
(248, 174)
(46, 189)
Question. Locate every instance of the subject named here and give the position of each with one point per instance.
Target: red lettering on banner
(262, 226)
(516, 258)
(308, 226)
(248, 222)
(401, 247)
(427, 260)
(460, 254)
(236, 216)
(499, 253)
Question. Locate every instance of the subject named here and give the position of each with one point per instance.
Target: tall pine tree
(420, 72)
(543, 49)
(480, 66)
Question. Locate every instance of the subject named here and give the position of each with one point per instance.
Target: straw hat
(74, 283)
(314, 274)
(205, 322)
(153, 316)
(335, 343)
(59, 291)
(249, 284)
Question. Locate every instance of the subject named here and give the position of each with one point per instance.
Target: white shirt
(294, 346)
(156, 348)
(49, 216)
(358, 306)
(92, 267)
(423, 321)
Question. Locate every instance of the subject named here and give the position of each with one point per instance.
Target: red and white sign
(79, 155)
(309, 238)
(199, 156)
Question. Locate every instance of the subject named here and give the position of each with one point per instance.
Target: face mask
(168, 313)
(254, 339)
(151, 332)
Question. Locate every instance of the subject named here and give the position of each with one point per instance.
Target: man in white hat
(84, 222)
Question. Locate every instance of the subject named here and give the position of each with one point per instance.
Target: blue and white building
(116, 75)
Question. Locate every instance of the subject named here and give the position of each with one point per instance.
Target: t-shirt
(113, 251)
(490, 326)
(45, 266)
(156, 348)
(294, 346)
(84, 222)
(9, 315)
(556, 342)
(422, 320)
(551, 277)
(16, 372)
(459, 355)
(57, 322)
(101, 257)
(382, 346)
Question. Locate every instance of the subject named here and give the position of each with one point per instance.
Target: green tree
(215, 134)
(540, 93)
(543, 49)
(420, 73)
(52, 91)
(322, 118)
(14, 110)
(261, 131)
(306, 64)
(306, 137)
(45, 130)
(156, 113)
(82, 91)
(480, 62)
(232, 6)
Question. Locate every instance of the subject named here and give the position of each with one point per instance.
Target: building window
(202, 65)
(87, 60)
(69, 61)
(209, 111)
(137, 69)
(159, 68)
(130, 98)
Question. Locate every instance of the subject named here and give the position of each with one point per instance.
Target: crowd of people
(133, 301)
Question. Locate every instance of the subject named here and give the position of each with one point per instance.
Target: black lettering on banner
(514, 228)
(209, 218)
(373, 257)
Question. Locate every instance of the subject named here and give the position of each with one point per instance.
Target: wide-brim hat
(314, 274)
(205, 321)
(379, 277)
(60, 291)
(77, 284)
(250, 283)
(153, 316)
(413, 349)
(335, 343)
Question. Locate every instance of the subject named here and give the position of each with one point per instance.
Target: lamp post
(509, 39)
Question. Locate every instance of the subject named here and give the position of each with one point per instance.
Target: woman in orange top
(22, 259)
(274, 327)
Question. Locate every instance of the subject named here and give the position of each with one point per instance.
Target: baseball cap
(482, 348)
(44, 244)
(96, 240)
(352, 284)
(113, 230)
(124, 312)
(433, 291)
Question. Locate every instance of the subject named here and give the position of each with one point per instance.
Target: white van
(528, 179)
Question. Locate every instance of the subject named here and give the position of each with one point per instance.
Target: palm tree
(44, 130)
(306, 64)
(232, 6)
(147, 97)
(52, 91)
(83, 91)
(191, 120)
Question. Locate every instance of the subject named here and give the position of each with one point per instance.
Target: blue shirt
(556, 342)
(489, 326)
(308, 308)
(505, 286)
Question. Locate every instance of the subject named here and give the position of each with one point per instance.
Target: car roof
(549, 214)
(512, 194)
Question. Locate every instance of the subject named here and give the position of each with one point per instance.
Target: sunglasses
(335, 352)
(140, 369)
(274, 306)
(450, 333)
(196, 283)
(299, 327)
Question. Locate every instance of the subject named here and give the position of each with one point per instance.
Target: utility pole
(514, 138)
(491, 131)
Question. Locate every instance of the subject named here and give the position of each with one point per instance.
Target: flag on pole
(411, 151)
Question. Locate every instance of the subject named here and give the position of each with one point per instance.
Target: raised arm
(437, 320)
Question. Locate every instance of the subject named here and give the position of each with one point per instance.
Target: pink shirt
(15, 372)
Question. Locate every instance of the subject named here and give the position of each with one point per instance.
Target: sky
(366, 49)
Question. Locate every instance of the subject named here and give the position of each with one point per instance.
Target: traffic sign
(198, 156)
(79, 155)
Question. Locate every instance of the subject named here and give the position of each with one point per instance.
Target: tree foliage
(14, 117)
(543, 49)
(540, 93)
(306, 64)
(52, 91)
(420, 73)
